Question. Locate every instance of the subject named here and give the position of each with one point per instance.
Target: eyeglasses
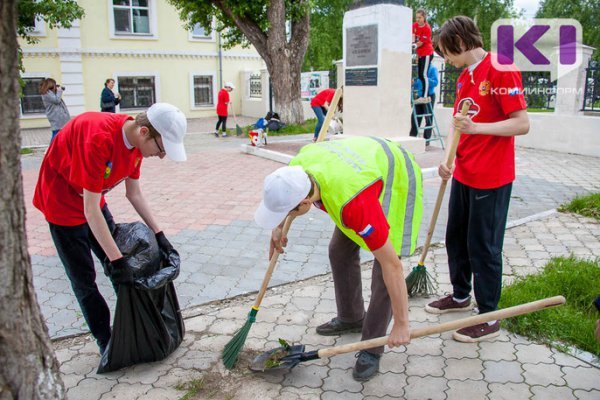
(158, 145)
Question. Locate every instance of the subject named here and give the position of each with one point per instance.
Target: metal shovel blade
(277, 359)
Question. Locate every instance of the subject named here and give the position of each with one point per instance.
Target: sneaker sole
(350, 330)
(468, 339)
(433, 310)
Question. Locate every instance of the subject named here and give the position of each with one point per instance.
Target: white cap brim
(268, 219)
(175, 151)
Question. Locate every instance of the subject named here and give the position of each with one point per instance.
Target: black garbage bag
(148, 325)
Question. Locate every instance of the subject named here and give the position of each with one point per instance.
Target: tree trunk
(285, 78)
(29, 369)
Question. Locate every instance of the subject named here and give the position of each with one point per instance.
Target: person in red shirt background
(95, 152)
(320, 104)
(223, 109)
(483, 173)
(422, 38)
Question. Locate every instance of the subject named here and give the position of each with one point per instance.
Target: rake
(235, 345)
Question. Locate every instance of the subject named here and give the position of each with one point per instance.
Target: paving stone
(126, 391)
(425, 366)
(453, 349)
(430, 388)
(425, 346)
(341, 395)
(509, 391)
(502, 371)
(552, 393)
(393, 361)
(543, 374)
(88, 386)
(585, 395)
(475, 389)
(341, 380)
(582, 377)
(497, 351)
(306, 375)
(462, 369)
(81, 364)
(388, 384)
(533, 353)
(566, 360)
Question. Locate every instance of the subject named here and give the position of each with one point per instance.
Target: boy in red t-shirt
(320, 104)
(422, 38)
(93, 153)
(483, 174)
(223, 108)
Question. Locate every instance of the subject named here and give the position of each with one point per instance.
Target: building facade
(144, 46)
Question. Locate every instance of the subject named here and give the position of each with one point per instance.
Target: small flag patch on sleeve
(366, 231)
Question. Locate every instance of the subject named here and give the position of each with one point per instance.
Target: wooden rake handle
(450, 326)
(330, 113)
(272, 263)
(438, 203)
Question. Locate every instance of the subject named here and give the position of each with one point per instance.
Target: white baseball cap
(170, 122)
(283, 190)
(229, 85)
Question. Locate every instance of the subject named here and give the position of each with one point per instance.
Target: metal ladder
(435, 131)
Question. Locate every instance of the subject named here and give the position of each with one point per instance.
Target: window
(200, 33)
(31, 101)
(137, 92)
(131, 17)
(203, 91)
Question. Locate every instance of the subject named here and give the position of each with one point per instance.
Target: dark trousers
(222, 122)
(345, 266)
(474, 240)
(423, 64)
(421, 109)
(73, 244)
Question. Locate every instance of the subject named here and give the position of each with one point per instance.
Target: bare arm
(134, 194)
(393, 276)
(517, 124)
(98, 225)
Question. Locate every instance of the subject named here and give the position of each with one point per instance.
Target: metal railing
(255, 86)
(591, 92)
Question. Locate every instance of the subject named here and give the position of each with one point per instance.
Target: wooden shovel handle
(272, 263)
(438, 203)
(451, 325)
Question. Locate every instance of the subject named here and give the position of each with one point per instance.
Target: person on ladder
(420, 109)
(422, 37)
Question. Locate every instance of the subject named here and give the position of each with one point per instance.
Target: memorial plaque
(361, 77)
(361, 46)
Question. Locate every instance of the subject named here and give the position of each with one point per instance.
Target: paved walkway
(206, 207)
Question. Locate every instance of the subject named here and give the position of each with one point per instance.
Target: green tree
(587, 12)
(29, 368)
(326, 29)
(279, 31)
(483, 12)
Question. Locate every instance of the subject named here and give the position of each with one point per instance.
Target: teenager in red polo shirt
(320, 104)
(223, 109)
(422, 38)
(94, 153)
(483, 174)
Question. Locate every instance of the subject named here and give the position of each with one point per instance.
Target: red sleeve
(414, 28)
(510, 91)
(89, 162)
(364, 215)
(425, 34)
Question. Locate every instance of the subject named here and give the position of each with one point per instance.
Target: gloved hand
(163, 243)
(120, 271)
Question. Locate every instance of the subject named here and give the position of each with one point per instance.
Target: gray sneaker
(367, 365)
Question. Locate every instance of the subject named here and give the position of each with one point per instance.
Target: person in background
(94, 153)
(223, 102)
(320, 105)
(55, 107)
(108, 99)
(422, 36)
(421, 109)
(482, 175)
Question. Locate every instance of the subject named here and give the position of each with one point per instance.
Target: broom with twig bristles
(419, 281)
(235, 345)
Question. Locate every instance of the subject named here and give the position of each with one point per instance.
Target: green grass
(26, 150)
(540, 110)
(572, 323)
(295, 129)
(192, 388)
(588, 206)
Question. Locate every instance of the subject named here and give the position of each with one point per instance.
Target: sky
(530, 6)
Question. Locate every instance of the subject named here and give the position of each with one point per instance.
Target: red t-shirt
(222, 102)
(90, 154)
(364, 215)
(487, 161)
(423, 35)
(324, 96)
